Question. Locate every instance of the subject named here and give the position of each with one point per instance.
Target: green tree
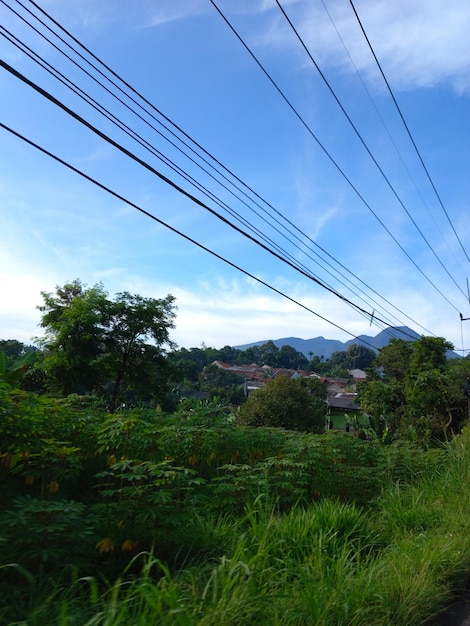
(111, 347)
(250, 355)
(394, 359)
(16, 361)
(189, 364)
(287, 403)
(356, 356)
(12, 348)
(384, 402)
(430, 403)
(316, 363)
(359, 356)
(214, 376)
(134, 345)
(429, 353)
(269, 352)
(417, 392)
(227, 354)
(74, 319)
(290, 358)
(221, 383)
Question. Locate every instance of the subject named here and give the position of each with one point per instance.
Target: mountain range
(320, 346)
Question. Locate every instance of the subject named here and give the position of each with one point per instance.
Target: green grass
(395, 563)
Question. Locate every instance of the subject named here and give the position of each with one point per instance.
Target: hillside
(320, 346)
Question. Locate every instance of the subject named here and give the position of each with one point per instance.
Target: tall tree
(74, 320)
(12, 349)
(290, 358)
(107, 346)
(137, 331)
(394, 359)
(417, 391)
(429, 399)
(359, 356)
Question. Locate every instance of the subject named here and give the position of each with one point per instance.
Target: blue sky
(385, 243)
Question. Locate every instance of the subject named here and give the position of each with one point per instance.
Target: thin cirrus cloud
(419, 44)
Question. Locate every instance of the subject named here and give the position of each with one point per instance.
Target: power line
(395, 146)
(140, 140)
(70, 84)
(175, 168)
(175, 186)
(407, 128)
(128, 86)
(192, 181)
(174, 230)
(325, 151)
(361, 139)
(131, 133)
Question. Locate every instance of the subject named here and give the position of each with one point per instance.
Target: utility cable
(174, 185)
(108, 115)
(148, 146)
(176, 231)
(329, 156)
(191, 139)
(389, 134)
(366, 147)
(407, 128)
(131, 133)
(209, 194)
(78, 91)
(127, 85)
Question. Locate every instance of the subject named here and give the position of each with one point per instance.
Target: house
(256, 376)
(357, 375)
(343, 401)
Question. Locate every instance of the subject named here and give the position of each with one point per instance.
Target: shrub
(287, 403)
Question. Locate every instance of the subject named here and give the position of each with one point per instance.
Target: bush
(286, 403)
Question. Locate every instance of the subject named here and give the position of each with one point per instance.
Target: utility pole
(466, 388)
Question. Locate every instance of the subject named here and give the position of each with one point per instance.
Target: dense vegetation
(414, 392)
(189, 518)
(177, 510)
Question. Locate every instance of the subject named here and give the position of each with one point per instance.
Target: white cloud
(20, 296)
(422, 43)
(170, 11)
(221, 311)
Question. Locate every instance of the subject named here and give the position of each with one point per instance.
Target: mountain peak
(320, 346)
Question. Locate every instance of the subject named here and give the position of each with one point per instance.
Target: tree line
(119, 351)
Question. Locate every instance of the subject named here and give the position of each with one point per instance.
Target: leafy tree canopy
(420, 392)
(110, 347)
(394, 359)
(287, 403)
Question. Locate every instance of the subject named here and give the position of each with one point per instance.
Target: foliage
(384, 403)
(16, 360)
(327, 563)
(394, 359)
(48, 534)
(265, 354)
(415, 392)
(243, 523)
(356, 356)
(287, 403)
(93, 344)
(221, 383)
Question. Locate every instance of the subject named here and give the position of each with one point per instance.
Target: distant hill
(320, 346)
